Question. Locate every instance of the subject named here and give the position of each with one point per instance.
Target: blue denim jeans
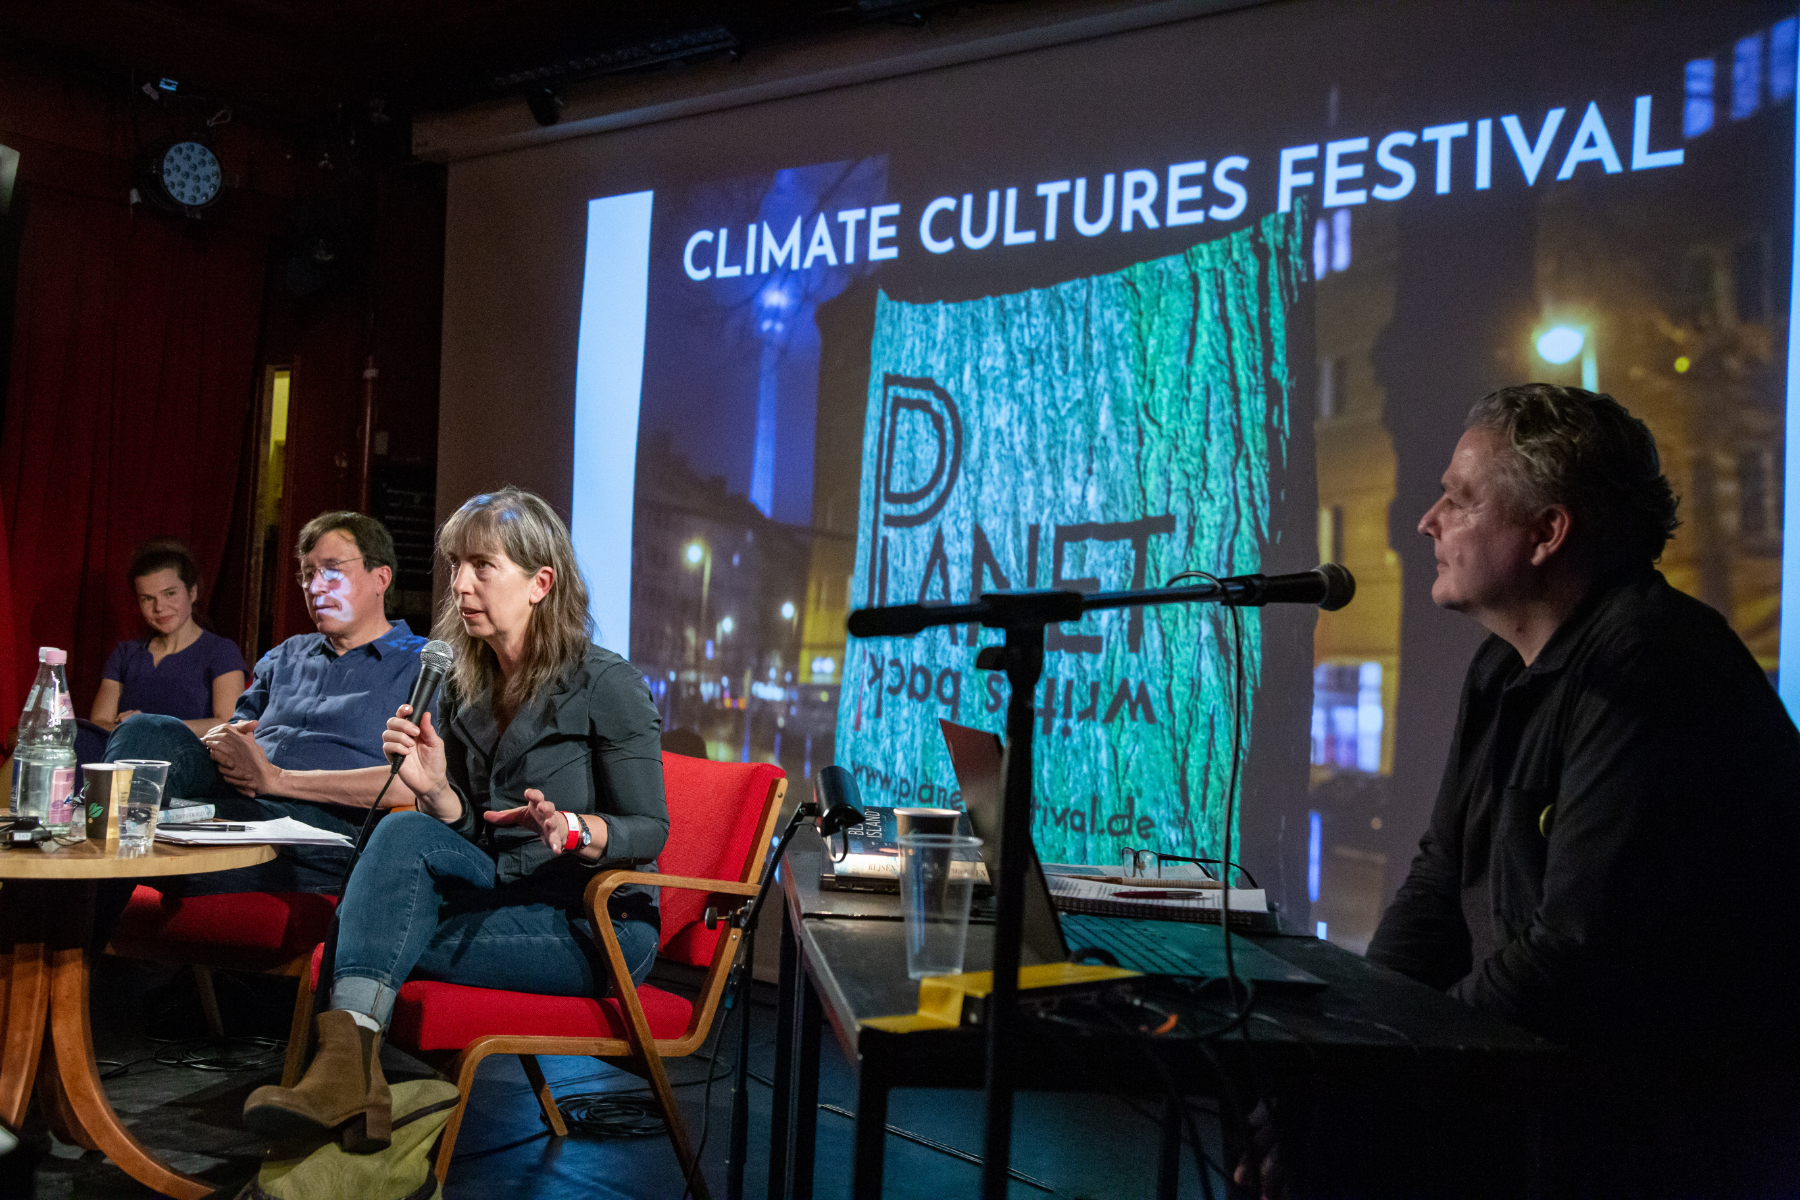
(194, 776)
(192, 773)
(423, 904)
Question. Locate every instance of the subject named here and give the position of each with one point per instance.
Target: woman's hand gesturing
(422, 768)
(541, 816)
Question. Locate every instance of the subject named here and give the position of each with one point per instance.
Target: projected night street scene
(906, 377)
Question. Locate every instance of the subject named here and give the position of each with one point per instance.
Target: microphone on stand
(1327, 585)
(435, 661)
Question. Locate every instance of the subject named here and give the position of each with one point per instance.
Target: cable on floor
(611, 1115)
(223, 1054)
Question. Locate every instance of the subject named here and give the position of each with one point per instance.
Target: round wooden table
(46, 927)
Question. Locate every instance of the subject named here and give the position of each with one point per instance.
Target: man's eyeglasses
(1138, 864)
(331, 571)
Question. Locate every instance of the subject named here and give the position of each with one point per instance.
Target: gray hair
(1582, 450)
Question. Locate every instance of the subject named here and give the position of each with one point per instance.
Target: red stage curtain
(10, 672)
(133, 373)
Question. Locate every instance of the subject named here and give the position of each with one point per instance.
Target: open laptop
(1153, 947)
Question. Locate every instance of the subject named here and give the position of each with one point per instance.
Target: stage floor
(1073, 1144)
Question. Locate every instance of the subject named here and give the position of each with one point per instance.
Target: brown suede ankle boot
(343, 1088)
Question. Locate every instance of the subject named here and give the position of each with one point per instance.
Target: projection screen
(1211, 295)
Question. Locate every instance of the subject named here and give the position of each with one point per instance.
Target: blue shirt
(317, 710)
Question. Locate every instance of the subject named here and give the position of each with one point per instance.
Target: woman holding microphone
(547, 767)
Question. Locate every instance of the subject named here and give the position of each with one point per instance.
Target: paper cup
(925, 820)
(105, 788)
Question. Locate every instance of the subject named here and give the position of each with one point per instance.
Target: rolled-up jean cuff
(358, 993)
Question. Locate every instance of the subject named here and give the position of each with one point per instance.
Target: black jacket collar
(1498, 659)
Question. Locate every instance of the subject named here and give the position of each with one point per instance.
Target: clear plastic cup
(137, 823)
(937, 878)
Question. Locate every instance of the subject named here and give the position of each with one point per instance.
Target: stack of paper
(282, 831)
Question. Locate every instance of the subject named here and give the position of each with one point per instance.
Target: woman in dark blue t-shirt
(178, 669)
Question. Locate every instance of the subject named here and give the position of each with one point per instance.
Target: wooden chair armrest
(603, 885)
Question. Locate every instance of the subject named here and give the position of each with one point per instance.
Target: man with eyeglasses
(305, 739)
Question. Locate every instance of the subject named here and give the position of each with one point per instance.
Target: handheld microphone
(1327, 585)
(435, 661)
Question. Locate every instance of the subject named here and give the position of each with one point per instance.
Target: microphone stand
(1023, 617)
(737, 992)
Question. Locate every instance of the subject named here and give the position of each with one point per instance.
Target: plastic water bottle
(43, 784)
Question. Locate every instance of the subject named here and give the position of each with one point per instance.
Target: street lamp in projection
(699, 554)
(1560, 344)
(790, 612)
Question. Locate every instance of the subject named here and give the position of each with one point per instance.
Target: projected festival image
(984, 334)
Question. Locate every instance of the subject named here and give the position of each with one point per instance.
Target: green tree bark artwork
(1100, 434)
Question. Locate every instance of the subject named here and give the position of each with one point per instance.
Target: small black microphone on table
(839, 801)
(435, 661)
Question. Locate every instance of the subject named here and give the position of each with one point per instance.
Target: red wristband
(573, 842)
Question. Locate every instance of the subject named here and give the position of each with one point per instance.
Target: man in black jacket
(1611, 861)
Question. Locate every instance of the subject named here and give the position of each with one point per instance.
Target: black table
(1385, 1086)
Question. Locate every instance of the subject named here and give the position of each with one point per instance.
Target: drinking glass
(137, 824)
(937, 876)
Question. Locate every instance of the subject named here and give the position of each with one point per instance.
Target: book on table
(866, 857)
(1196, 901)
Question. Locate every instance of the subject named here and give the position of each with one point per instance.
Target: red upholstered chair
(270, 933)
(273, 933)
(721, 817)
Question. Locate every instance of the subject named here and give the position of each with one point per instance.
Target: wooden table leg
(54, 1103)
(27, 998)
(72, 1036)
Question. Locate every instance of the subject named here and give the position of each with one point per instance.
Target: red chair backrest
(714, 811)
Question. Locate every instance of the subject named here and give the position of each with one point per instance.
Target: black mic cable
(435, 661)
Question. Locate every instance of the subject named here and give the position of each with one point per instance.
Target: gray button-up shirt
(592, 743)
